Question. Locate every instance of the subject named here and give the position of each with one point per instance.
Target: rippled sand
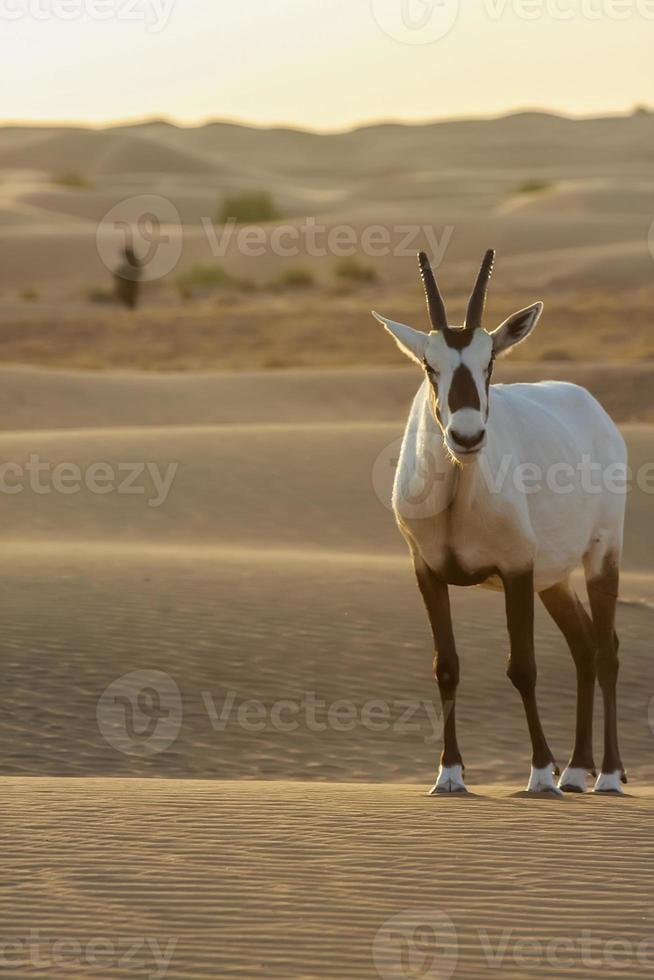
(287, 879)
(280, 840)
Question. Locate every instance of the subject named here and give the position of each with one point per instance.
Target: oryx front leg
(446, 666)
(519, 598)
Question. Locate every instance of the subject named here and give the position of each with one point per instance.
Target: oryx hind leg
(566, 610)
(603, 580)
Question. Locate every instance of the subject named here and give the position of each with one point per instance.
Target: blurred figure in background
(127, 279)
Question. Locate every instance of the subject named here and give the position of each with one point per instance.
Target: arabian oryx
(465, 525)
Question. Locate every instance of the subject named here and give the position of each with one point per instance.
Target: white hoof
(542, 781)
(573, 780)
(609, 782)
(450, 780)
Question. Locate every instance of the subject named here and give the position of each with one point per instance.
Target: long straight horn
(435, 303)
(477, 300)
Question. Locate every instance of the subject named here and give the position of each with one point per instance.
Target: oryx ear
(516, 329)
(411, 342)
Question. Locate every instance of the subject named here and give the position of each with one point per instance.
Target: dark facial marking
(432, 377)
(458, 339)
(489, 375)
(463, 391)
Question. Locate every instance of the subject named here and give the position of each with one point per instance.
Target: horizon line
(190, 123)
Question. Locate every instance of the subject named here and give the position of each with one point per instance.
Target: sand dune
(268, 480)
(235, 879)
(231, 625)
(59, 151)
(535, 139)
(282, 486)
(269, 561)
(565, 201)
(285, 842)
(36, 399)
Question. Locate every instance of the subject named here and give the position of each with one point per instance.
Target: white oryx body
(512, 487)
(529, 499)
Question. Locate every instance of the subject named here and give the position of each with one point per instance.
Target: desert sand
(272, 572)
(218, 722)
(288, 879)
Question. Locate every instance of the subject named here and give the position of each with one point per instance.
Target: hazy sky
(320, 63)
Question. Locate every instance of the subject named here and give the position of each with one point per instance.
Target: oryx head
(458, 361)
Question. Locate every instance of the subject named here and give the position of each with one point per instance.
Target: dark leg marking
(446, 663)
(574, 622)
(519, 599)
(603, 596)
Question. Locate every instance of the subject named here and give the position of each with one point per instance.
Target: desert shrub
(251, 208)
(534, 186)
(73, 180)
(296, 277)
(209, 278)
(98, 295)
(275, 362)
(29, 294)
(556, 354)
(200, 276)
(352, 269)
